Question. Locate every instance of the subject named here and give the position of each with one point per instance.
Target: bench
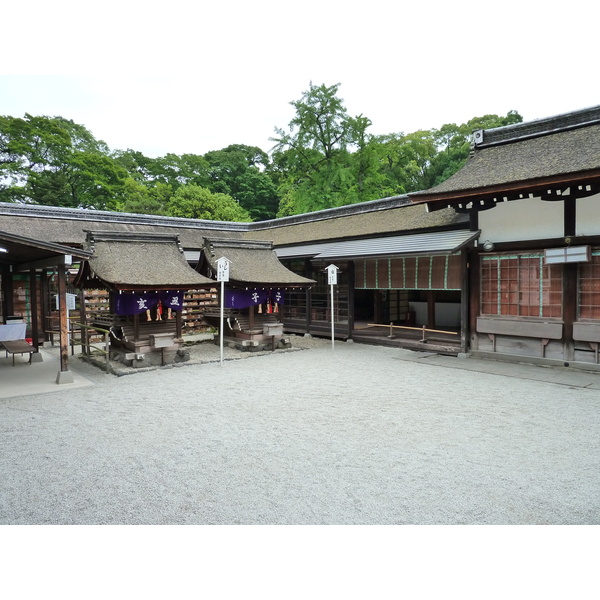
(590, 333)
(18, 347)
(542, 330)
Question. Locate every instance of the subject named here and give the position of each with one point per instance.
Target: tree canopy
(322, 159)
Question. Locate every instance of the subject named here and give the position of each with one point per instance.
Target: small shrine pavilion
(146, 275)
(256, 289)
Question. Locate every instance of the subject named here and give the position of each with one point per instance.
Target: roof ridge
(536, 128)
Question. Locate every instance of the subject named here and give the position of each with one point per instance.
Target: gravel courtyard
(354, 435)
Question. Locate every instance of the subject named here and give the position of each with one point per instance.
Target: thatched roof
(558, 150)
(69, 226)
(252, 264)
(138, 262)
(372, 220)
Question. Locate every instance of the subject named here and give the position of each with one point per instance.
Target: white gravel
(354, 435)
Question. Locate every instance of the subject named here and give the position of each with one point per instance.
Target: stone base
(64, 377)
(150, 359)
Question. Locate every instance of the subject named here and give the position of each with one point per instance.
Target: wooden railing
(98, 347)
(422, 329)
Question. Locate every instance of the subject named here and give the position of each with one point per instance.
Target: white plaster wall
(588, 215)
(517, 220)
(533, 219)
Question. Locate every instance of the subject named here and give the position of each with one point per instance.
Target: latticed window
(409, 273)
(520, 285)
(589, 288)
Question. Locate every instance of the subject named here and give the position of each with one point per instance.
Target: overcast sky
(185, 77)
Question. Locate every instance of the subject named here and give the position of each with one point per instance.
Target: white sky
(185, 77)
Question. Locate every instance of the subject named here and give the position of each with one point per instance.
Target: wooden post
(251, 317)
(8, 291)
(45, 308)
(430, 309)
(178, 324)
(309, 273)
(570, 301)
(34, 308)
(351, 283)
(136, 327)
(464, 302)
(83, 320)
(64, 375)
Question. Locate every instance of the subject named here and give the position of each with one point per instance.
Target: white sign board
(70, 301)
(332, 272)
(223, 269)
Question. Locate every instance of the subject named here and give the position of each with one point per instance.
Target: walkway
(354, 435)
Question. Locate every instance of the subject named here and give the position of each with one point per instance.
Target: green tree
(405, 160)
(57, 162)
(195, 202)
(146, 200)
(319, 168)
(240, 171)
(454, 144)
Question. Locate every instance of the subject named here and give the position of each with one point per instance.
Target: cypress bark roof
(69, 226)
(252, 264)
(561, 149)
(138, 262)
(403, 218)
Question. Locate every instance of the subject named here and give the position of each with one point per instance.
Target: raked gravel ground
(354, 435)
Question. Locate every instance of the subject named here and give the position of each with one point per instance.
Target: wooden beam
(54, 261)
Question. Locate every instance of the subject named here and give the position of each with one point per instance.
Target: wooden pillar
(64, 375)
(83, 321)
(178, 324)
(570, 302)
(474, 276)
(251, 317)
(351, 283)
(8, 291)
(309, 273)
(430, 309)
(570, 296)
(570, 217)
(44, 299)
(35, 317)
(464, 302)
